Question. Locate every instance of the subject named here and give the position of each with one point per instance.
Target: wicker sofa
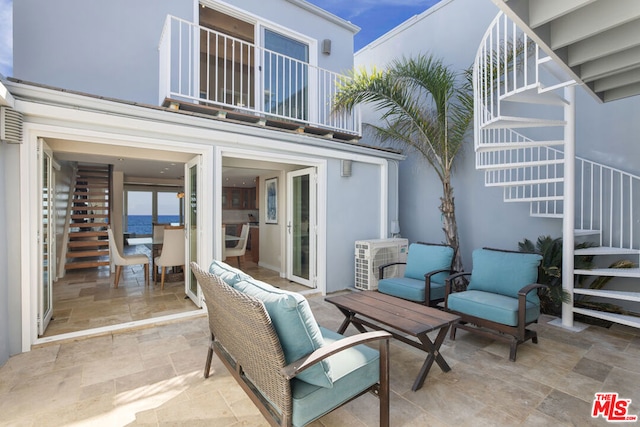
(293, 370)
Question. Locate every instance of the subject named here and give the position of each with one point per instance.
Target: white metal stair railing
(510, 77)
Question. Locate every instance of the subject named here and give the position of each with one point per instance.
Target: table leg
(433, 353)
(349, 318)
(348, 315)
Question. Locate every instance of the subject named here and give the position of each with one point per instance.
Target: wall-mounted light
(326, 46)
(345, 167)
(180, 195)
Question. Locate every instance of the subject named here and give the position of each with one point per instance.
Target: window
(144, 207)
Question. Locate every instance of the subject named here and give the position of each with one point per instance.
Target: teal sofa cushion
(491, 306)
(424, 258)
(353, 370)
(228, 274)
(409, 289)
(504, 273)
(295, 325)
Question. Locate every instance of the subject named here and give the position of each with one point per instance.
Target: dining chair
(120, 260)
(241, 247)
(172, 255)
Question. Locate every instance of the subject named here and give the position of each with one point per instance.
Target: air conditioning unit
(371, 254)
(10, 125)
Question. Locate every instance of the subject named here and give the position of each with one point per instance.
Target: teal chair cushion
(409, 289)
(295, 325)
(228, 274)
(354, 370)
(504, 273)
(491, 306)
(424, 258)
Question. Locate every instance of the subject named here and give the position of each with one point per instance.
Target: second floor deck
(202, 68)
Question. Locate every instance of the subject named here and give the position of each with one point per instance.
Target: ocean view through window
(143, 208)
(141, 225)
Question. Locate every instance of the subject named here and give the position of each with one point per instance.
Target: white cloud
(6, 37)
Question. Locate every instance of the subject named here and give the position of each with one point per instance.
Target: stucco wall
(111, 48)
(103, 48)
(452, 30)
(353, 213)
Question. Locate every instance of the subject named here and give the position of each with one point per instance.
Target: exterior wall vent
(10, 125)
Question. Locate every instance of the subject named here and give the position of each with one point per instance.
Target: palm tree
(427, 108)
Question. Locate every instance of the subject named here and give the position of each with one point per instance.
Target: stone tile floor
(153, 377)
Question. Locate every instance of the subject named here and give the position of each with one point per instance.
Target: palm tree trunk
(449, 224)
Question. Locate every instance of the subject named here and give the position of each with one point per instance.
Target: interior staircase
(525, 143)
(88, 244)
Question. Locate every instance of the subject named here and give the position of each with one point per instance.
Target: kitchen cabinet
(239, 198)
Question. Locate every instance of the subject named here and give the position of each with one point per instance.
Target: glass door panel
(47, 261)
(191, 228)
(286, 76)
(301, 225)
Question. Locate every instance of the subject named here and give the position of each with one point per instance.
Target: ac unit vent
(371, 254)
(10, 125)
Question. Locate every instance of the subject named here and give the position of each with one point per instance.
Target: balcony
(205, 67)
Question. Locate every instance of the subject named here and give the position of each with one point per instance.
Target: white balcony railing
(204, 66)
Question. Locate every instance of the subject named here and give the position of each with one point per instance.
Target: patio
(153, 376)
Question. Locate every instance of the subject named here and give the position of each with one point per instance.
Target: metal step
(545, 215)
(532, 95)
(619, 295)
(525, 182)
(533, 199)
(623, 319)
(610, 272)
(511, 122)
(519, 165)
(605, 250)
(500, 146)
(583, 232)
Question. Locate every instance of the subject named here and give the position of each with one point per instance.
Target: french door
(301, 227)
(285, 76)
(46, 238)
(191, 228)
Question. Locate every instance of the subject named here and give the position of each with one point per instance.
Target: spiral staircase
(525, 143)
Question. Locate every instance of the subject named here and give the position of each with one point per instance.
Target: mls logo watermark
(612, 408)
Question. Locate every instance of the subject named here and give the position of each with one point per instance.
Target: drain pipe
(568, 218)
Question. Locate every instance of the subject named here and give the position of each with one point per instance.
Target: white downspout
(568, 219)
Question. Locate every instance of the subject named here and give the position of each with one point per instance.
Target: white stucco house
(206, 99)
(215, 88)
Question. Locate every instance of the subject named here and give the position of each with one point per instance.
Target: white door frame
(320, 164)
(45, 312)
(29, 167)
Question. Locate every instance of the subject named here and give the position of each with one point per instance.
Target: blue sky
(374, 17)
(6, 37)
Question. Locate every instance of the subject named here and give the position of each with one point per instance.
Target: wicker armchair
(245, 340)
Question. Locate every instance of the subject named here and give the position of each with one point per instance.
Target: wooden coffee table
(400, 318)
